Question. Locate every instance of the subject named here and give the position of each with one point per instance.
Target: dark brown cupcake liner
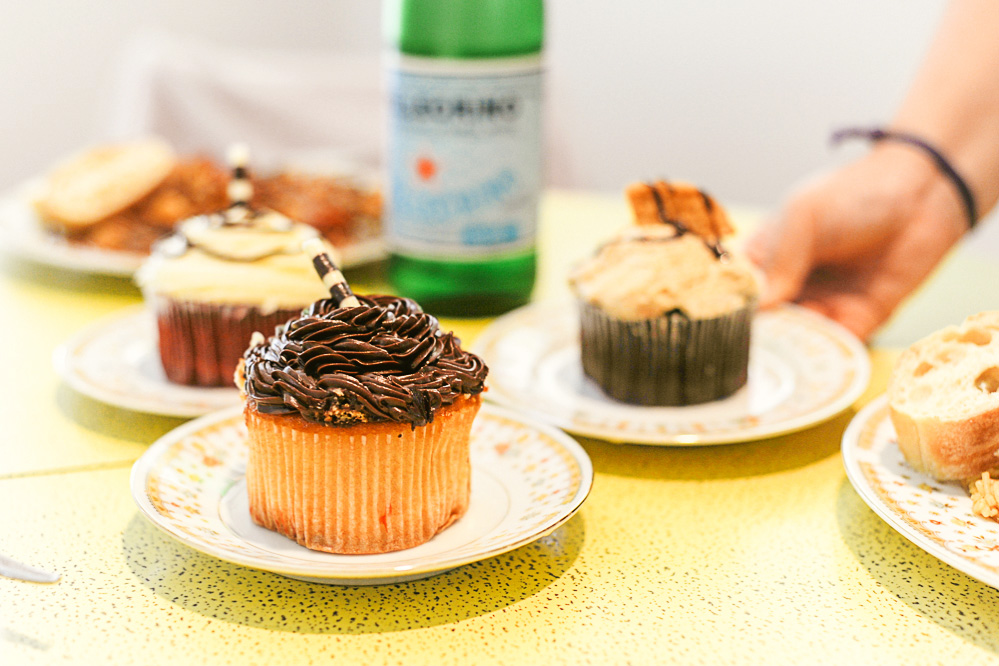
(201, 343)
(667, 361)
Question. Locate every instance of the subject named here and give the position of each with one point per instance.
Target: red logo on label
(426, 168)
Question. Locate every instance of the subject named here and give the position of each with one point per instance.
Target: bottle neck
(466, 28)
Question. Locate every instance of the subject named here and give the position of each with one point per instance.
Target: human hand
(854, 243)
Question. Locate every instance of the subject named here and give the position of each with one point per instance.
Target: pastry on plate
(124, 196)
(665, 310)
(102, 182)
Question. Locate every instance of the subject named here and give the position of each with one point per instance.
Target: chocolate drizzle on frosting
(680, 227)
(386, 360)
(712, 244)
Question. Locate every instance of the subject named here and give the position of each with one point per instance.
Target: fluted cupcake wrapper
(201, 343)
(365, 488)
(666, 361)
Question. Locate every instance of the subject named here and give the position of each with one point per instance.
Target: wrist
(969, 149)
(915, 176)
(915, 188)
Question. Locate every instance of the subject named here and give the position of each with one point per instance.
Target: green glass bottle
(464, 152)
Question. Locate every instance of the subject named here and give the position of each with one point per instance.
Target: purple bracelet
(878, 134)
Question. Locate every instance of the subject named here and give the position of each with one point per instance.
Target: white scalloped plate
(115, 361)
(803, 369)
(935, 516)
(24, 237)
(527, 479)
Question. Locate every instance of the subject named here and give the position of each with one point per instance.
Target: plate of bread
(101, 210)
(925, 456)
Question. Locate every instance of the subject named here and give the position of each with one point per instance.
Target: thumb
(782, 249)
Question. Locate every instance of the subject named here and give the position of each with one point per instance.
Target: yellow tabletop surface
(759, 552)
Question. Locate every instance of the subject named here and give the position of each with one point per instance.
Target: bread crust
(943, 399)
(948, 450)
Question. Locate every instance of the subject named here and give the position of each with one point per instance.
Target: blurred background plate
(115, 361)
(22, 235)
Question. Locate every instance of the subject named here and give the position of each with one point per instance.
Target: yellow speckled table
(748, 553)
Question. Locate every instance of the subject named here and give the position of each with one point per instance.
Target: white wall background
(739, 97)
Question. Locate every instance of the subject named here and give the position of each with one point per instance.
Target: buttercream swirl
(386, 360)
(259, 263)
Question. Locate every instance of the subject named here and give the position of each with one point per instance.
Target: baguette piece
(943, 398)
(103, 181)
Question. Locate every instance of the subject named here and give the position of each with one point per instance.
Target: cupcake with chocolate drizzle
(220, 277)
(359, 415)
(666, 310)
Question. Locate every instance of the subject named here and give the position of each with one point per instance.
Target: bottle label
(464, 156)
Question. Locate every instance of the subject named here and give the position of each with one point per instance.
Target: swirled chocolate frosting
(386, 360)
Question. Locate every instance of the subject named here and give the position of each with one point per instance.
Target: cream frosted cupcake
(665, 310)
(359, 420)
(219, 278)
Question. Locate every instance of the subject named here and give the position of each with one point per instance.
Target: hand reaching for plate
(853, 244)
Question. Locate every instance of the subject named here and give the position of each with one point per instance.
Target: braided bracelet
(878, 134)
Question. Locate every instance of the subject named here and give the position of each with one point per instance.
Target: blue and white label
(464, 156)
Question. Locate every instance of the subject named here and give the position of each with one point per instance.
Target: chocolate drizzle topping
(680, 227)
(386, 360)
(714, 245)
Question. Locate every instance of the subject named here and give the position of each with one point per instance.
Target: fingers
(860, 317)
(861, 299)
(783, 250)
(854, 243)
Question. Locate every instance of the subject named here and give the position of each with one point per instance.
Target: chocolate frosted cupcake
(219, 278)
(665, 310)
(359, 421)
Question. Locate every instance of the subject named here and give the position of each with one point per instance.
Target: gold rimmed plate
(934, 515)
(527, 479)
(115, 361)
(803, 369)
